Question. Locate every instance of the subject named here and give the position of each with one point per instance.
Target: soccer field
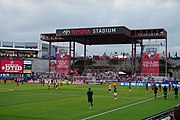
(69, 102)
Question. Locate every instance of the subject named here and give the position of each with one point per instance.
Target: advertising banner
(27, 66)
(91, 31)
(11, 66)
(62, 62)
(144, 84)
(150, 62)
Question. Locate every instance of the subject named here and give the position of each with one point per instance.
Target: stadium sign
(11, 66)
(151, 34)
(89, 31)
(104, 30)
(150, 61)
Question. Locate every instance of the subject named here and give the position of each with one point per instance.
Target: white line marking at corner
(120, 108)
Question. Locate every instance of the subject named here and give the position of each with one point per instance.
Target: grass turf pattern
(69, 102)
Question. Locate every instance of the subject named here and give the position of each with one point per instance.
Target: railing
(169, 113)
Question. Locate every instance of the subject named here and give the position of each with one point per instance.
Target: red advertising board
(150, 62)
(62, 63)
(11, 66)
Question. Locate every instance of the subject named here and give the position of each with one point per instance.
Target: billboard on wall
(11, 66)
(62, 62)
(150, 61)
(27, 66)
(92, 31)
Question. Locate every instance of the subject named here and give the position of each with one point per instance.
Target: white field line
(5, 90)
(120, 108)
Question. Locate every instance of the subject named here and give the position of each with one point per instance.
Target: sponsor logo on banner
(150, 62)
(11, 66)
(88, 31)
(53, 62)
(62, 62)
(151, 52)
(82, 31)
(66, 32)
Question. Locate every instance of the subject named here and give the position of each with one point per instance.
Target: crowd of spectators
(96, 76)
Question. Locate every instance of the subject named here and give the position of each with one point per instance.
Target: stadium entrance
(109, 35)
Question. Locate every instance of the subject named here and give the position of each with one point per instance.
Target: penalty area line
(120, 108)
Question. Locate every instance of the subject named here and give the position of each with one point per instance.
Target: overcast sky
(25, 20)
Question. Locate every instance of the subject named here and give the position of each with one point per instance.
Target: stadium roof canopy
(103, 35)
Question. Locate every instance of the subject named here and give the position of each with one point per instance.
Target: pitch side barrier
(103, 82)
(144, 84)
(166, 115)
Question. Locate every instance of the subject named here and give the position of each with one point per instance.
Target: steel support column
(74, 50)
(142, 48)
(69, 57)
(135, 57)
(166, 70)
(132, 56)
(84, 57)
(49, 57)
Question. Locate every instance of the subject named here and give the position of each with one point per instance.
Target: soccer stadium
(41, 80)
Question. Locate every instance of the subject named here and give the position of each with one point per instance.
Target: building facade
(28, 49)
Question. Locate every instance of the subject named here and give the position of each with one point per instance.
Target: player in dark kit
(129, 85)
(15, 80)
(165, 92)
(115, 92)
(90, 98)
(147, 86)
(155, 91)
(176, 92)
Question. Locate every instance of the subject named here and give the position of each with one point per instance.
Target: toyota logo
(66, 32)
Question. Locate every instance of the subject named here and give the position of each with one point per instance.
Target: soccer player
(147, 86)
(54, 83)
(169, 87)
(5, 80)
(155, 91)
(115, 92)
(176, 92)
(43, 82)
(159, 87)
(165, 92)
(57, 85)
(17, 83)
(129, 85)
(109, 88)
(153, 86)
(22, 82)
(90, 98)
(49, 85)
(172, 87)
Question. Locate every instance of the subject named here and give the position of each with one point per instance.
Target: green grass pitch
(69, 102)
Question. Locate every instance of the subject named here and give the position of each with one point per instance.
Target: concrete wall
(39, 65)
